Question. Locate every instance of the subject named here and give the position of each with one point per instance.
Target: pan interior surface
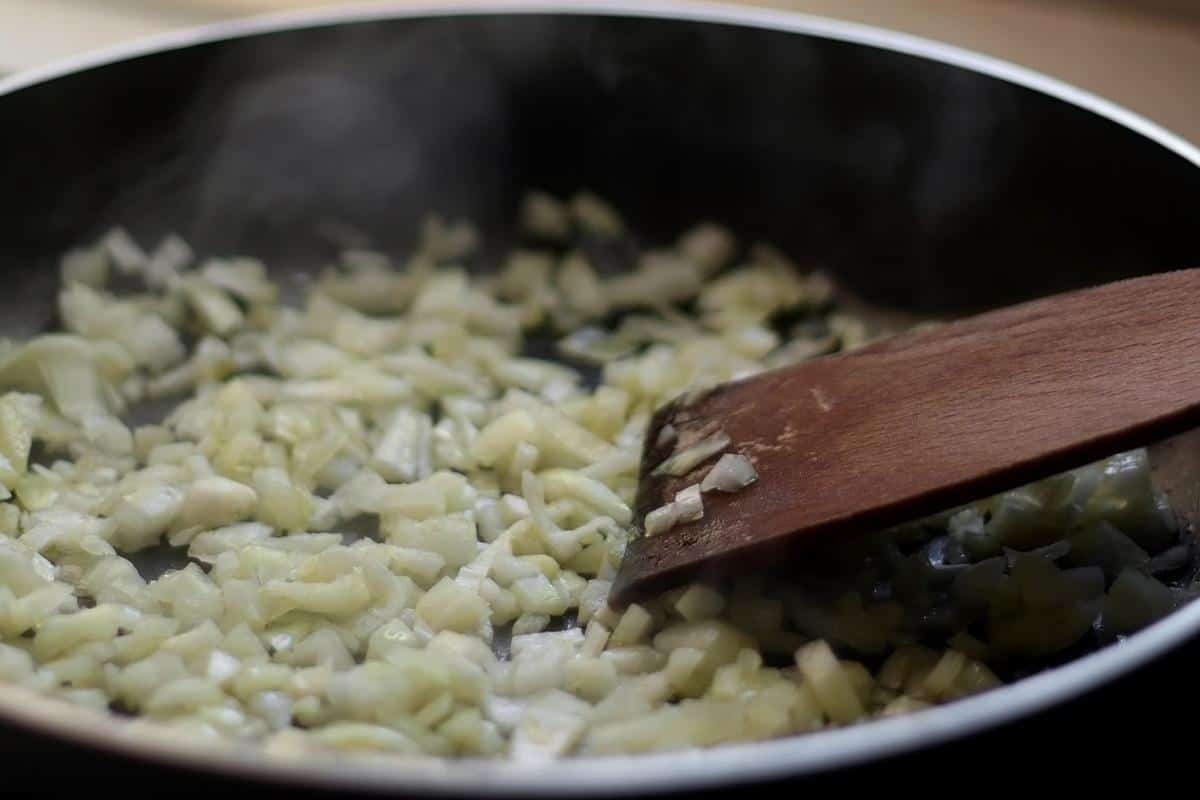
(921, 185)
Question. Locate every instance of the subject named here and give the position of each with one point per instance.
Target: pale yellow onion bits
(402, 531)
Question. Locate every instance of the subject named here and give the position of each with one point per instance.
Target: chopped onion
(731, 473)
(689, 504)
(126, 254)
(661, 519)
(544, 216)
(684, 461)
(398, 531)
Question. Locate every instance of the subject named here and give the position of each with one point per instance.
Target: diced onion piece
(699, 602)
(544, 735)
(831, 685)
(168, 261)
(689, 504)
(446, 241)
(581, 287)
(337, 598)
(217, 312)
(634, 626)
(215, 501)
(244, 278)
(661, 519)
(684, 461)
(282, 504)
(19, 415)
(560, 483)
(143, 515)
(708, 245)
(449, 606)
(501, 436)
(731, 473)
(544, 216)
(405, 454)
(595, 215)
(88, 266)
(126, 254)
(903, 705)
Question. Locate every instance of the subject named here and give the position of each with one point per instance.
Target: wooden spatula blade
(925, 421)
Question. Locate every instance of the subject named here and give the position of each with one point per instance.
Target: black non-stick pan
(924, 177)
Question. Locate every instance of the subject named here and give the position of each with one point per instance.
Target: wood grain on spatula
(927, 420)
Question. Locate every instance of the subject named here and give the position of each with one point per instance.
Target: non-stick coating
(921, 184)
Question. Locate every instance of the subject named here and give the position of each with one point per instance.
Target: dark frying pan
(927, 178)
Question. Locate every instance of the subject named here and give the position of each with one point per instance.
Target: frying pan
(926, 178)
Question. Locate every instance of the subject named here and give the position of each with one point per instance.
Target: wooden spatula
(922, 422)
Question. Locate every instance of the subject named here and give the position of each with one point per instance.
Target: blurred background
(1144, 54)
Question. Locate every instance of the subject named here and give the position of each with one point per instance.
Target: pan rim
(623, 775)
